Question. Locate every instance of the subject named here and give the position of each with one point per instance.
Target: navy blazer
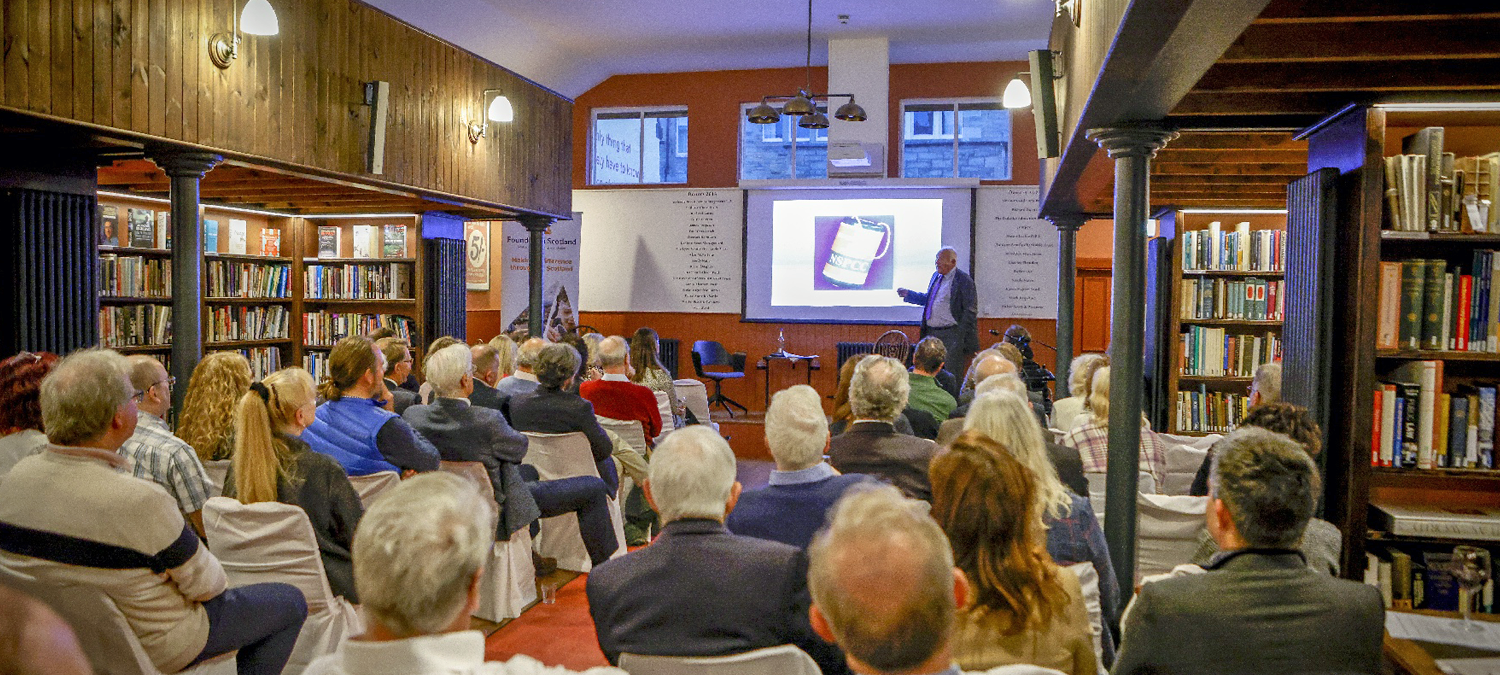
(553, 411)
(874, 448)
(700, 591)
(401, 398)
(466, 433)
(963, 302)
(486, 396)
(510, 387)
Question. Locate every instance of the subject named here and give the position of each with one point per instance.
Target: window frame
(955, 134)
(782, 129)
(642, 113)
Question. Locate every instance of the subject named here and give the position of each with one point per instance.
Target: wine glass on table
(1471, 568)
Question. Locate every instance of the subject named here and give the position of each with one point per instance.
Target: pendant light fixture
(803, 104)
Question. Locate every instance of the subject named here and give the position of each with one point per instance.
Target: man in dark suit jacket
(1258, 608)
(871, 445)
(550, 409)
(486, 375)
(463, 432)
(699, 590)
(955, 322)
(398, 362)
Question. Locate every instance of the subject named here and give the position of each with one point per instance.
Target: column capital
(185, 163)
(1131, 141)
(1070, 222)
(536, 224)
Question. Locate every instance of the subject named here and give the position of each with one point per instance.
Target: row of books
(1241, 250)
(132, 276)
(230, 324)
(1426, 304)
(1234, 299)
(316, 364)
(135, 325)
(389, 281)
(366, 241)
(1431, 190)
(1422, 427)
(142, 228)
(1414, 576)
(227, 279)
(1213, 352)
(263, 360)
(270, 238)
(1201, 410)
(323, 329)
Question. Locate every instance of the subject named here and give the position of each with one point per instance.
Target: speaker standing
(950, 309)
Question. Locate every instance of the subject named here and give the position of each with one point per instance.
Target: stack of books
(248, 280)
(1212, 352)
(1419, 426)
(316, 364)
(1427, 304)
(323, 329)
(1430, 190)
(130, 276)
(135, 325)
(263, 360)
(1218, 250)
(1233, 299)
(1201, 410)
(232, 324)
(391, 281)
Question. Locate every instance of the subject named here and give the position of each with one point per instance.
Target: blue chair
(710, 353)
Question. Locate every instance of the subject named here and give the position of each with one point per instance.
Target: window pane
(925, 153)
(662, 161)
(617, 149)
(984, 142)
(764, 150)
(812, 159)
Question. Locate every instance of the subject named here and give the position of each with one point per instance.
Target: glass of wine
(1471, 568)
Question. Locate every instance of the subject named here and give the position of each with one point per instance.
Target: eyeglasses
(138, 395)
(170, 381)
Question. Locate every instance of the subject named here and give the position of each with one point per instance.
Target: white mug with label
(858, 244)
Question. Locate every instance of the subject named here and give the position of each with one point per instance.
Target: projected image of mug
(858, 244)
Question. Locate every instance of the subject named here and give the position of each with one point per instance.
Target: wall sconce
(497, 108)
(258, 18)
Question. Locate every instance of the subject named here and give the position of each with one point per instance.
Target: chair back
(508, 585)
(1196, 442)
(103, 634)
(218, 472)
(474, 471)
(709, 353)
(1145, 483)
(779, 660)
(558, 456)
(267, 541)
(895, 344)
(369, 487)
(1166, 533)
(664, 408)
(1088, 580)
(1182, 467)
(630, 431)
(695, 397)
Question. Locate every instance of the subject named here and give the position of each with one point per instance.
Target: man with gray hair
(73, 515)
(803, 487)
(871, 446)
(156, 454)
(885, 589)
(1262, 491)
(486, 376)
(552, 409)
(1265, 387)
(950, 308)
(419, 557)
(523, 381)
(614, 396)
(699, 590)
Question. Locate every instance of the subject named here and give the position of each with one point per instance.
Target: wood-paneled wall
(294, 99)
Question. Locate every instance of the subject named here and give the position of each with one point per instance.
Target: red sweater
(624, 401)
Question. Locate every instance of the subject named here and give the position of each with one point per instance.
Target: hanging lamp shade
(850, 112)
(801, 104)
(501, 110)
(259, 18)
(1016, 94)
(763, 114)
(816, 120)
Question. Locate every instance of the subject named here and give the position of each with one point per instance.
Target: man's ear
(960, 588)
(734, 497)
(820, 623)
(650, 499)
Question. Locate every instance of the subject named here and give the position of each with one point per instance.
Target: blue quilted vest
(345, 430)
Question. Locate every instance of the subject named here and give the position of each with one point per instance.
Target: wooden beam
(1303, 11)
(1230, 156)
(1212, 103)
(1438, 38)
(1291, 169)
(1374, 76)
(1208, 140)
(1169, 181)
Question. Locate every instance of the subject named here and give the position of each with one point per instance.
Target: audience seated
(398, 363)
(1258, 608)
(505, 349)
(206, 420)
(424, 392)
(843, 415)
(523, 381)
(926, 394)
(985, 367)
(615, 396)
(551, 409)
(1322, 544)
(699, 590)
(1090, 436)
(1065, 461)
(468, 433)
(21, 408)
(419, 560)
(885, 589)
(154, 453)
(351, 425)
(871, 445)
(36, 641)
(1021, 607)
(645, 355)
(272, 463)
(1080, 374)
(73, 515)
(971, 376)
(803, 487)
(486, 375)
(588, 360)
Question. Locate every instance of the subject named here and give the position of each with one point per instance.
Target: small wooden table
(765, 364)
(1420, 658)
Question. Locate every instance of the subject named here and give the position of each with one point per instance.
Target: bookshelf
(1224, 318)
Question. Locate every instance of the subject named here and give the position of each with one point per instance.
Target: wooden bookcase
(1181, 319)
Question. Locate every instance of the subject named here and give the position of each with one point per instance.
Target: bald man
(950, 309)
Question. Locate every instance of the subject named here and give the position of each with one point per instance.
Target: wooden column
(186, 169)
(1132, 149)
(1067, 274)
(537, 226)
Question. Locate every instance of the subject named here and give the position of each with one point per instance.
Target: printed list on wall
(672, 250)
(1015, 255)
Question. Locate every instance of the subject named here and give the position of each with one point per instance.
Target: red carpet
(561, 634)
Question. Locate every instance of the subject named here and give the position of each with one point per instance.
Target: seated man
(419, 557)
(550, 409)
(523, 381)
(615, 396)
(885, 589)
(398, 361)
(699, 590)
(486, 376)
(1067, 461)
(73, 515)
(803, 487)
(352, 426)
(154, 452)
(1258, 608)
(986, 367)
(468, 433)
(871, 445)
(926, 394)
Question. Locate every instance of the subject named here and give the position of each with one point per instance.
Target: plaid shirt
(158, 456)
(1092, 441)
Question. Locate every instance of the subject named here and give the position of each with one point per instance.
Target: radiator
(848, 349)
(668, 354)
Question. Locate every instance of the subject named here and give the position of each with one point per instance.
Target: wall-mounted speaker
(1044, 105)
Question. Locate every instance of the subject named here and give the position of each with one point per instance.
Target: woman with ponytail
(272, 463)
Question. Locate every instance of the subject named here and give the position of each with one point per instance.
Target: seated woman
(21, 406)
(355, 425)
(645, 350)
(1065, 412)
(843, 414)
(507, 349)
(1091, 434)
(208, 409)
(555, 408)
(272, 463)
(1021, 608)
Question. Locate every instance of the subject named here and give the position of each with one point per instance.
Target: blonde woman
(272, 464)
(207, 419)
(1091, 435)
(507, 348)
(1065, 412)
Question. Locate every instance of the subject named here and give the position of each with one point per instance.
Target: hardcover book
(365, 241)
(1457, 522)
(142, 227)
(164, 229)
(395, 241)
(237, 236)
(328, 241)
(210, 235)
(270, 242)
(109, 226)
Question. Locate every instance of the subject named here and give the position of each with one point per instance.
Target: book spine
(1388, 332)
(1432, 305)
(1411, 416)
(1413, 277)
(1458, 432)
(1465, 297)
(1376, 433)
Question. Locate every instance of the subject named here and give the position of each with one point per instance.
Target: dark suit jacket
(510, 387)
(948, 381)
(876, 449)
(467, 433)
(553, 411)
(486, 396)
(1253, 612)
(963, 302)
(403, 399)
(700, 591)
(1067, 461)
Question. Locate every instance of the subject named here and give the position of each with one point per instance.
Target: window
(640, 145)
(782, 150)
(947, 139)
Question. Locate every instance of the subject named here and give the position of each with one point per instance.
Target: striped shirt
(168, 461)
(1092, 441)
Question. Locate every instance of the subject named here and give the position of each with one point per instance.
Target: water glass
(1471, 568)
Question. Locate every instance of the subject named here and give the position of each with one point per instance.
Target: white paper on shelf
(1480, 666)
(1442, 630)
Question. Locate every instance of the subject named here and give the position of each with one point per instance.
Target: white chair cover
(1088, 579)
(1167, 530)
(1195, 442)
(1145, 484)
(1182, 467)
(218, 471)
(369, 487)
(630, 430)
(779, 660)
(509, 583)
(664, 408)
(694, 397)
(274, 542)
(567, 455)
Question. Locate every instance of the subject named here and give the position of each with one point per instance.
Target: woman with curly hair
(207, 418)
(21, 406)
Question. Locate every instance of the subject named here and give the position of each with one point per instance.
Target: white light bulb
(500, 110)
(1016, 94)
(259, 19)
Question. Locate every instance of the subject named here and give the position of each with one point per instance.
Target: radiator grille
(52, 299)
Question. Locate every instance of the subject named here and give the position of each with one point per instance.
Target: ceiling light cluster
(802, 104)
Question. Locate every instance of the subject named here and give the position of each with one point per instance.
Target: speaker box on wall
(1044, 105)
